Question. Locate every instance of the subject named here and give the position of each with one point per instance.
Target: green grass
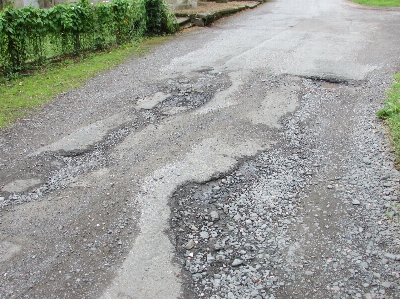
(382, 3)
(23, 94)
(391, 113)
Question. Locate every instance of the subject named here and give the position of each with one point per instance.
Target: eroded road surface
(242, 160)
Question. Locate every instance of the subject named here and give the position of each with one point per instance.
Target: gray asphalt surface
(243, 160)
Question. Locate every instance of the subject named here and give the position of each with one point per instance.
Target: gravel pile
(316, 216)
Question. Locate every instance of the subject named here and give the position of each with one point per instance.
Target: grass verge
(382, 3)
(22, 94)
(391, 114)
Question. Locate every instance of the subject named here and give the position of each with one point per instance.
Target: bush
(31, 36)
(158, 17)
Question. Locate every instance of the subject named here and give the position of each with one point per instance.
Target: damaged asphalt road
(242, 160)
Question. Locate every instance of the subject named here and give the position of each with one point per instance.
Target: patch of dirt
(204, 7)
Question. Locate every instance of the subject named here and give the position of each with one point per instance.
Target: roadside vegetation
(32, 36)
(22, 93)
(391, 114)
(44, 52)
(382, 3)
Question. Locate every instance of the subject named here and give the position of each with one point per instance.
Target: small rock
(237, 217)
(204, 235)
(390, 256)
(237, 262)
(230, 227)
(367, 161)
(189, 245)
(308, 273)
(386, 284)
(336, 288)
(217, 283)
(377, 275)
(214, 215)
(355, 202)
(210, 258)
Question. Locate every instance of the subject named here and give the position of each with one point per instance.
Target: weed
(391, 114)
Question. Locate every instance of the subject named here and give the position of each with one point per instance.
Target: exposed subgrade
(57, 170)
(80, 219)
(307, 217)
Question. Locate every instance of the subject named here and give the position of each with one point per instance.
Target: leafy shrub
(30, 35)
(159, 18)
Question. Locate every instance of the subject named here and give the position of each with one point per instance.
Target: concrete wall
(43, 3)
(181, 4)
(34, 3)
(174, 4)
(70, 1)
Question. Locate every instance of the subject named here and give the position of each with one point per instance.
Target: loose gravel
(62, 168)
(75, 236)
(316, 216)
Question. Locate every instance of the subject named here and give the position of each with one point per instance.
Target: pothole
(174, 96)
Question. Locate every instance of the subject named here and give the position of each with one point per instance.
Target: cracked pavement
(241, 160)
